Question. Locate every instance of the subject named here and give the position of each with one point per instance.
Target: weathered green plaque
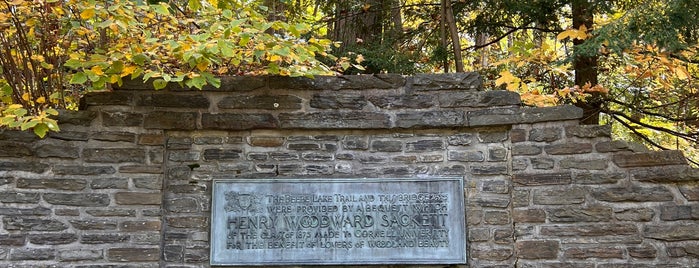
(338, 221)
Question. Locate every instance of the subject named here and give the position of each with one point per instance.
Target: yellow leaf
(97, 70)
(41, 100)
(682, 73)
(25, 96)
(127, 70)
(202, 66)
(275, 58)
(87, 13)
(510, 80)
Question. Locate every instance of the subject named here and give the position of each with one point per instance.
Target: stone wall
(127, 181)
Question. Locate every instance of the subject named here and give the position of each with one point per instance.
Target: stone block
(355, 143)
(568, 148)
(36, 211)
(634, 214)
(548, 114)
(488, 169)
(266, 102)
(137, 198)
(266, 141)
(491, 254)
(415, 101)
(525, 149)
(478, 234)
(76, 118)
(495, 187)
(589, 229)
(666, 174)
(450, 81)
(32, 224)
(598, 178)
(69, 135)
(58, 150)
(167, 99)
(463, 139)
(690, 192)
(589, 131)
(338, 101)
(52, 183)
(79, 255)
(182, 205)
(335, 119)
(643, 252)
(284, 156)
(586, 164)
(139, 226)
(496, 217)
(170, 120)
(528, 216)
(113, 136)
(77, 200)
(187, 222)
(124, 98)
(52, 238)
(183, 156)
(580, 214)
(427, 119)
(92, 239)
(497, 154)
(93, 224)
(141, 169)
(313, 156)
(15, 240)
(424, 146)
(466, 156)
(632, 194)
(155, 183)
(151, 139)
(493, 202)
(542, 163)
(14, 149)
(83, 170)
(386, 146)
(537, 249)
(19, 197)
(679, 212)
(222, 154)
(658, 158)
(594, 252)
(32, 254)
(566, 196)
(545, 134)
(111, 212)
(114, 155)
(518, 135)
(238, 121)
(133, 254)
(121, 119)
(477, 99)
(303, 146)
(538, 179)
(612, 146)
(179, 143)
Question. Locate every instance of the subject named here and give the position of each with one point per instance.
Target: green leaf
(78, 78)
(161, 9)
(159, 84)
(140, 59)
(73, 64)
(28, 124)
(197, 82)
(41, 130)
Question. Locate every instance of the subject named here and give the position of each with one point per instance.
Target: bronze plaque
(338, 221)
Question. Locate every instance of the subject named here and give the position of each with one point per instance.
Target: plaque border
(460, 199)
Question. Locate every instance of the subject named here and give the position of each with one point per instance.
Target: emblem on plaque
(241, 202)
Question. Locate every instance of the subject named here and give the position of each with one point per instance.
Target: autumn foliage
(53, 51)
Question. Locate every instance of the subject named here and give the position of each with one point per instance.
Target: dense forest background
(629, 63)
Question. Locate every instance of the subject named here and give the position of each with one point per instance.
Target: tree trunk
(443, 33)
(585, 66)
(454, 33)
